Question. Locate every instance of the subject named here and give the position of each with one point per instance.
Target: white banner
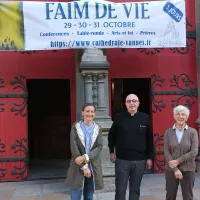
(97, 24)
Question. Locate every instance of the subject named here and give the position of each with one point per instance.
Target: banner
(92, 24)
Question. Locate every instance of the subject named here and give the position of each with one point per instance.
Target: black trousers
(172, 183)
(131, 171)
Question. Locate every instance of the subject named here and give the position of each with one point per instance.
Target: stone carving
(95, 88)
(87, 76)
(93, 55)
(101, 90)
(102, 75)
(88, 87)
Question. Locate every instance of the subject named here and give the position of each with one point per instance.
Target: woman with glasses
(180, 149)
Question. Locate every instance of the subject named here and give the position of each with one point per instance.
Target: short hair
(132, 94)
(180, 108)
(88, 104)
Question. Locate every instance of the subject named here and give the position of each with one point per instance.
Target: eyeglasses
(132, 100)
(180, 114)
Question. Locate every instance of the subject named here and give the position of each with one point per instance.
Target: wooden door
(13, 128)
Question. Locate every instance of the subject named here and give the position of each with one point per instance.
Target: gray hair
(180, 108)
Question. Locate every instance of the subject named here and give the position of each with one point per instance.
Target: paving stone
(4, 186)
(26, 198)
(196, 193)
(104, 196)
(55, 187)
(160, 198)
(145, 192)
(28, 190)
(147, 197)
(6, 194)
(55, 196)
(5, 198)
(157, 191)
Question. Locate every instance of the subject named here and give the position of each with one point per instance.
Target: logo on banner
(173, 12)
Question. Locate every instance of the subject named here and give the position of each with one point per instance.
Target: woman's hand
(149, 164)
(173, 163)
(87, 173)
(79, 160)
(178, 174)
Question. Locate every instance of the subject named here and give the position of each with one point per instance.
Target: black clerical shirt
(131, 136)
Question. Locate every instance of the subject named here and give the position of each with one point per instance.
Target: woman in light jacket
(180, 149)
(85, 172)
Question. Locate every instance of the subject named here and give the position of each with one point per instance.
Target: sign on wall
(92, 24)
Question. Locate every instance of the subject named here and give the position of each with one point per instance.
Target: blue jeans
(131, 171)
(88, 190)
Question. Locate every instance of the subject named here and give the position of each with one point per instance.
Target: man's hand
(173, 163)
(79, 160)
(178, 174)
(112, 157)
(149, 164)
(87, 173)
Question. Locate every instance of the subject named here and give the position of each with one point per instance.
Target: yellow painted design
(11, 26)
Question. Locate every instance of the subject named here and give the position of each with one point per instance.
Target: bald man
(130, 141)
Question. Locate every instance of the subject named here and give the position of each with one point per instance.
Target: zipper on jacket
(92, 176)
(83, 182)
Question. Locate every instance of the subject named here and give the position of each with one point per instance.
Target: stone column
(88, 82)
(95, 89)
(94, 63)
(197, 7)
(101, 90)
